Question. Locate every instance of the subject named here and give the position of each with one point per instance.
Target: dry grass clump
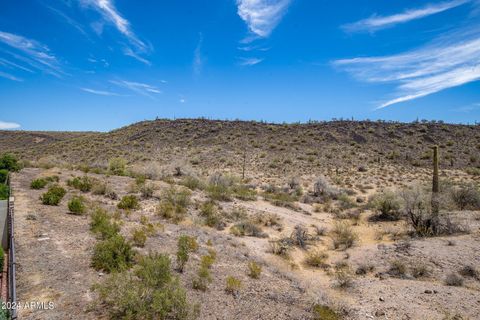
(470, 271)
(247, 228)
(343, 236)
(323, 312)
(316, 258)
(386, 205)
(453, 279)
(233, 285)
(254, 270)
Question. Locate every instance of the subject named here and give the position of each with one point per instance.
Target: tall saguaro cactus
(435, 182)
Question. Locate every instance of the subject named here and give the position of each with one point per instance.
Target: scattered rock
(379, 313)
(428, 291)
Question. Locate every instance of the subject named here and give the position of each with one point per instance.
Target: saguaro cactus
(435, 182)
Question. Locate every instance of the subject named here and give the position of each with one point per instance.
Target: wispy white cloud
(197, 57)
(9, 76)
(450, 61)
(468, 108)
(380, 22)
(249, 61)
(262, 16)
(69, 20)
(99, 92)
(13, 65)
(137, 87)
(8, 125)
(35, 53)
(111, 15)
(129, 52)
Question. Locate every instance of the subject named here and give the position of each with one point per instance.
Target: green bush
(39, 183)
(102, 225)
(322, 312)
(83, 184)
(117, 166)
(139, 237)
(3, 175)
(316, 258)
(386, 204)
(113, 254)
(185, 245)
(233, 285)
(129, 202)
(192, 183)
(343, 236)
(9, 162)
(53, 196)
(151, 292)
(4, 192)
(174, 203)
(76, 205)
(254, 270)
(244, 193)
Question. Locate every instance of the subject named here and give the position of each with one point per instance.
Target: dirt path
(52, 255)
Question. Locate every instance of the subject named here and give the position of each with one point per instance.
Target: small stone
(100, 274)
(381, 299)
(435, 291)
(428, 291)
(379, 313)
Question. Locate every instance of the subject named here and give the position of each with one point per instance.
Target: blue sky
(102, 64)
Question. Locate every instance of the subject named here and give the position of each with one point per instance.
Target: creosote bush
(76, 205)
(185, 246)
(387, 205)
(173, 204)
(102, 225)
(149, 292)
(39, 183)
(113, 254)
(139, 237)
(453, 279)
(117, 166)
(83, 184)
(53, 196)
(129, 202)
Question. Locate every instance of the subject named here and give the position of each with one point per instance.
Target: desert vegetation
(175, 220)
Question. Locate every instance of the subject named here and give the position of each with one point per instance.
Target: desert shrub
(466, 196)
(192, 183)
(150, 292)
(322, 188)
(139, 237)
(453, 279)
(113, 254)
(100, 188)
(254, 270)
(470, 272)
(173, 204)
(203, 274)
(281, 199)
(39, 183)
(83, 184)
(3, 175)
(417, 209)
(420, 270)
(247, 228)
(102, 225)
(345, 202)
(185, 246)
(300, 236)
(364, 268)
(53, 196)
(316, 259)
(322, 312)
(212, 218)
(129, 202)
(343, 236)
(343, 277)
(243, 192)
(397, 268)
(76, 205)
(233, 285)
(117, 166)
(386, 205)
(219, 189)
(4, 192)
(268, 220)
(281, 247)
(9, 162)
(146, 190)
